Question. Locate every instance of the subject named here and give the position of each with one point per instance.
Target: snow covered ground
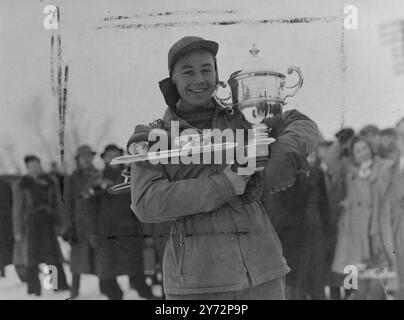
(11, 288)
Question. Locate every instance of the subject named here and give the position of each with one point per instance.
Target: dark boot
(137, 282)
(33, 283)
(62, 282)
(111, 289)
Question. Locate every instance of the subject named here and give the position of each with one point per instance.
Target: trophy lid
(256, 63)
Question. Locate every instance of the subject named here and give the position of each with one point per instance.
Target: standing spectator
(297, 217)
(388, 148)
(337, 159)
(344, 137)
(371, 134)
(392, 213)
(78, 228)
(119, 236)
(286, 210)
(35, 220)
(6, 226)
(312, 264)
(359, 234)
(398, 226)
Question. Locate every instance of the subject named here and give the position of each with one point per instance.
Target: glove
(275, 125)
(139, 141)
(140, 135)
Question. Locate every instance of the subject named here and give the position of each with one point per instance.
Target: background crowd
(348, 212)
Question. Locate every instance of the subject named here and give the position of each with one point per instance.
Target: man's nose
(198, 77)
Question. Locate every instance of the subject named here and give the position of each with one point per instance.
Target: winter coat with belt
(219, 241)
(119, 232)
(361, 235)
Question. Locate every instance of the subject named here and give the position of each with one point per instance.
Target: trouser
(34, 285)
(75, 288)
(271, 290)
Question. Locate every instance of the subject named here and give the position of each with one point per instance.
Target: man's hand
(275, 125)
(238, 182)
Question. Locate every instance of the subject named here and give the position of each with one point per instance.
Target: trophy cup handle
(293, 89)
(223, 101)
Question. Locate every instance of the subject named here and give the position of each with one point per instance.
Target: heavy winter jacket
(79, 221)
(219, 241)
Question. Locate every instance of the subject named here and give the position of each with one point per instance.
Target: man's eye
(205, 71)
(188, 73)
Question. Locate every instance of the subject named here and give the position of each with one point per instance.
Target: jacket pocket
(177, 245)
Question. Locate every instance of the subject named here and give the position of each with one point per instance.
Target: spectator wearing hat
(222, 244)
(118, 233)
(392, 211)
(36, 221)
(361, 241)
(371, 134)
(388, 148)
(79, 228)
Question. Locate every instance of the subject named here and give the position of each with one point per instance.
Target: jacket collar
(171, 115)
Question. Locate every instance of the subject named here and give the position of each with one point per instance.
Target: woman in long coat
(359, 241)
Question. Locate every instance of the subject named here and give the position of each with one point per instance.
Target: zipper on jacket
(241, 252)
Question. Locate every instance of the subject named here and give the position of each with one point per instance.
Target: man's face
(85, 161)
(195, 78)
(374, 141)
(400, 138)
(388, 143)
(34, 168)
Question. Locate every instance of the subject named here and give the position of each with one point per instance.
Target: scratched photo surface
(95, 76)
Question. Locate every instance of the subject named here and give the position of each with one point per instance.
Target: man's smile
(198, 90)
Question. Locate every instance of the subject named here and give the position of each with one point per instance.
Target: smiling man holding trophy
(222, 244)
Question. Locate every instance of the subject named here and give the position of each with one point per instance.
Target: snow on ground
(11, 288)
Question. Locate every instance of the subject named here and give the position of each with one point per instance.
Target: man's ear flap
(169, 91)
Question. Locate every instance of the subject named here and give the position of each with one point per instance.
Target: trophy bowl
(258, 92)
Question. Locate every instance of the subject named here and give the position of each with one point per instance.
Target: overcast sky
(115, 64)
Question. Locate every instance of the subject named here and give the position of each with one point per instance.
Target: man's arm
(156, 199)
(297, 137)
